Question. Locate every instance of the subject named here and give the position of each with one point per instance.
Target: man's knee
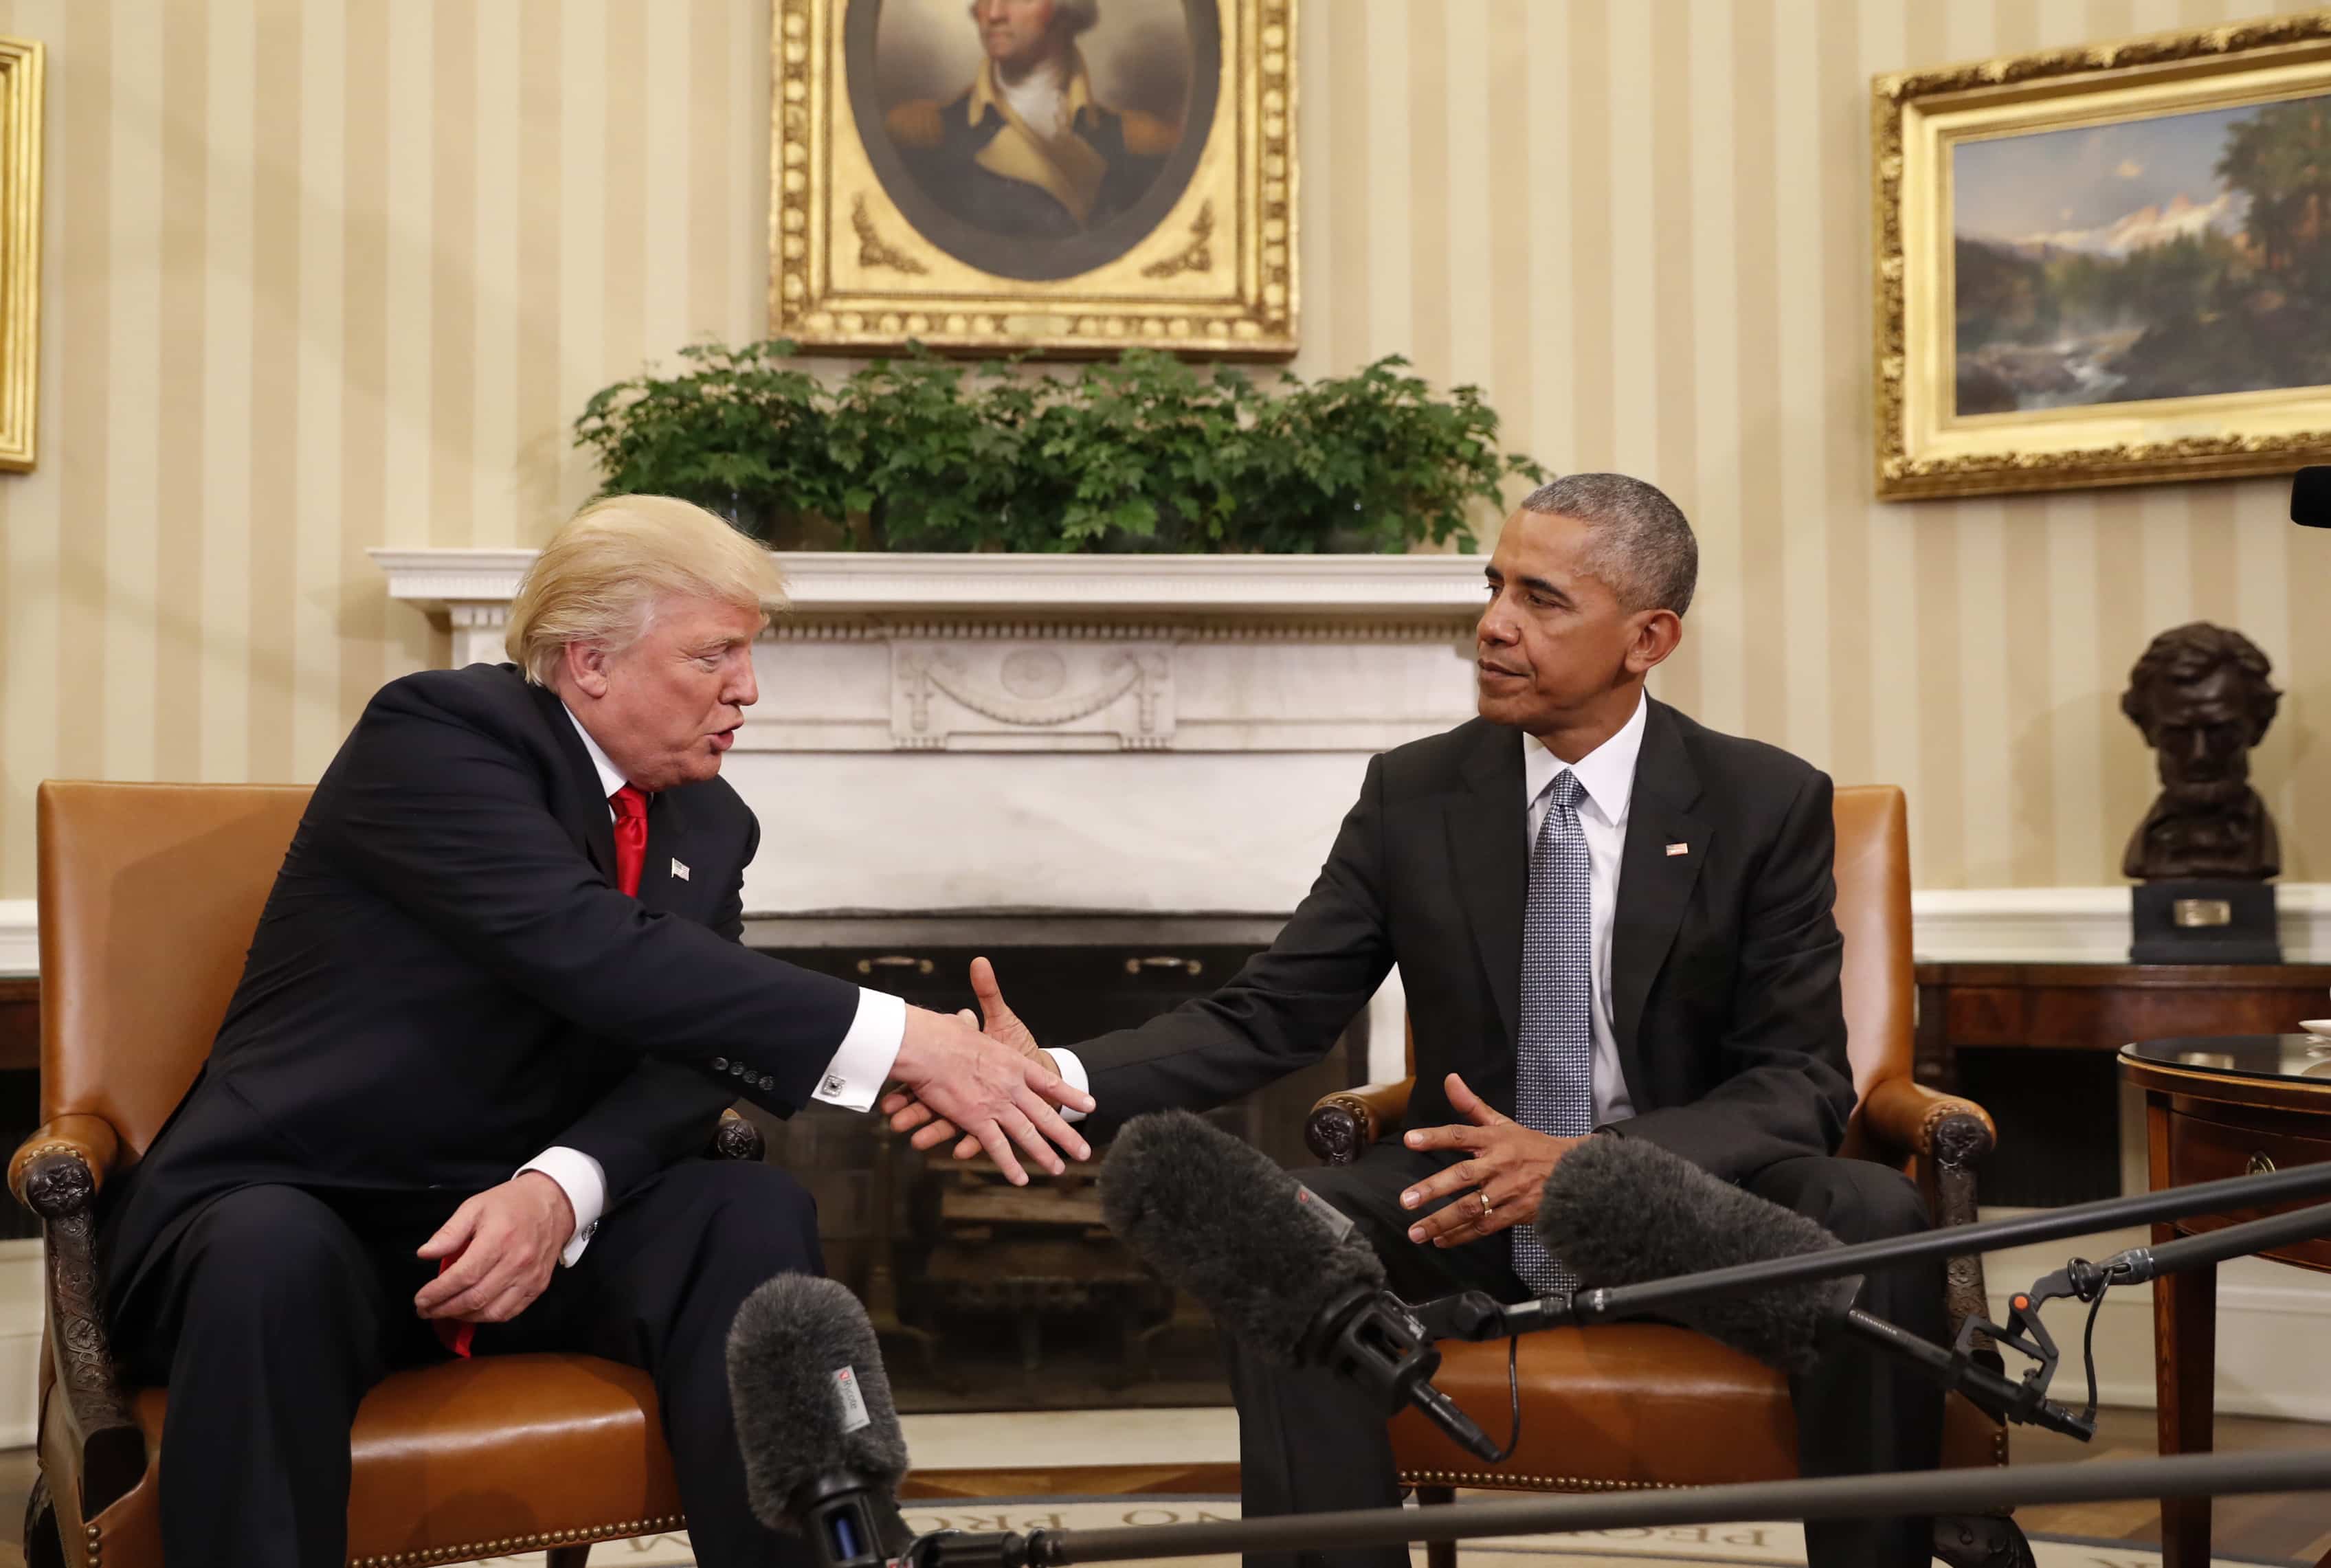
(1853, 1199)
(760, 1214)
(273, 1243)
(1333, 1182)
(1359, 1195)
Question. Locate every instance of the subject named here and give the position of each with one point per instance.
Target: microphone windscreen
(1623, 1211)
(2311, 498)
(810, 1397)
(1217, 1218)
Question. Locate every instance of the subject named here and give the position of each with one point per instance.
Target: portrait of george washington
(1035, 138)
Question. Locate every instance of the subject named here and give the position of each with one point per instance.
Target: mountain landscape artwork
(2178, 255)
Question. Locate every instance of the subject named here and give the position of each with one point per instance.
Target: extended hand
(1506, 1161)
(998, 1093)
(910, 1115)
(503, 1244)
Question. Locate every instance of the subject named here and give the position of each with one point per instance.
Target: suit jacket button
(768, 1081)
(719, 1064)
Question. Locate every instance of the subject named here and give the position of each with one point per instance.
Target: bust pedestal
(2204, 920)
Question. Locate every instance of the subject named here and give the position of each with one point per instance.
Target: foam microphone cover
(1216, 1218)
(1623, 1211)
(789, 1339)
(2311, 498)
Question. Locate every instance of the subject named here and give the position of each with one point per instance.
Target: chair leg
(1438, 1554)
(567, 1556)
(42, 1546)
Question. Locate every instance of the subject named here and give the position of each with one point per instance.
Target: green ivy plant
(1144, 453)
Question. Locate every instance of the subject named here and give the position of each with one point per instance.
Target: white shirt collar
(610, 778)
(1607, 773)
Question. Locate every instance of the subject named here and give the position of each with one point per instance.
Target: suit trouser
(279, 1307)
(1308, 1442)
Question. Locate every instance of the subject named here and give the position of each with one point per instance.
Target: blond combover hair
(599, 578)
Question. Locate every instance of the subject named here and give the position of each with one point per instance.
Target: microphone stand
(1965, 1366)
(1987, 1489)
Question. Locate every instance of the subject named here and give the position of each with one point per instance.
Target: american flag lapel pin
(1675, 850)
(679, 870)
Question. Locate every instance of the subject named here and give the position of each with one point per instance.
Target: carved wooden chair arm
(1344, 1123)
(56, 1174)
(90, 1138)
(738, 1139)
(1947, 1139)
(1909, 1118)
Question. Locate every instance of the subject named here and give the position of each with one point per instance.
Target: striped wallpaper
(323, 274)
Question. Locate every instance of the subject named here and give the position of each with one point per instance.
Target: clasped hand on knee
(496, 1253)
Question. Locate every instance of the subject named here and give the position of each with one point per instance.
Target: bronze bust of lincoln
(2200, 695)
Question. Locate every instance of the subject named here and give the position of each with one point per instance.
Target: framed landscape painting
(1061, 176)
(2106, 266)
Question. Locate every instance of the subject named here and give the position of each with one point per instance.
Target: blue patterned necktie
(1554, 1078)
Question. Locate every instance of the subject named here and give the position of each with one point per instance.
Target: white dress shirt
(1607, 774)
(858, 1069)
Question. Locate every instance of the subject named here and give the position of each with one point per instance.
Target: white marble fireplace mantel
(848, 582)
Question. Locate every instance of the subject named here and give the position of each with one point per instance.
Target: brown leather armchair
(148, 896)
(1648, 1405)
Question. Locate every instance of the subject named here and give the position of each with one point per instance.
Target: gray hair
(1640, 544)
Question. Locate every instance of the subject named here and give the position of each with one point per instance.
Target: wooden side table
(2102, 1006)
(2216, 1107)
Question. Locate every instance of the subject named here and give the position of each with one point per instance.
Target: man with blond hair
(494, 1007)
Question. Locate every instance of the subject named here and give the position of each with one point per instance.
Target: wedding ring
(1485, 1203)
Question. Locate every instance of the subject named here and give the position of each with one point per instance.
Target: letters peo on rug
(1753, 1545)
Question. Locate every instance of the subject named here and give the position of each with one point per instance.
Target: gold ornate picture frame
(2106, 266)
(20, 250)
(919, 194)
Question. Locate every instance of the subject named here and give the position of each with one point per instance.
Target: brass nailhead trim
(1509, 1482)
(516, 1543)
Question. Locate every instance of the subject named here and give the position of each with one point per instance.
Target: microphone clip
(2026, 1401)
(1372, 1337)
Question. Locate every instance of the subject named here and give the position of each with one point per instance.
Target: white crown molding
(20, 939)
(848, 582)
(2078, 924)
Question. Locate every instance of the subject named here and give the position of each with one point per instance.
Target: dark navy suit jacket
(446, 980)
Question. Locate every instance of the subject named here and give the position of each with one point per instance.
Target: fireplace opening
(989, 1297)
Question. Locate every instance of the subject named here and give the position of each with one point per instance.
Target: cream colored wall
(323, 274)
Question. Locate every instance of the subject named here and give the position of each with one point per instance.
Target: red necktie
(630, 837)
(630, 809)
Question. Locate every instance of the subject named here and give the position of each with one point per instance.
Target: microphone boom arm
(1963, 1366)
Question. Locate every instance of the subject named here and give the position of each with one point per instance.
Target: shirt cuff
(1073, 1073)
(585, 1182)
(869, 1052)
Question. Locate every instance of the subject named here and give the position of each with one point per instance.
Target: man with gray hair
(1610, 922)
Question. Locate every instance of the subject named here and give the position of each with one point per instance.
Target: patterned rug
(1754, 1546)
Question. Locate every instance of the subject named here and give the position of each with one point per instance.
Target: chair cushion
(1633, 1404)
(474, 1459)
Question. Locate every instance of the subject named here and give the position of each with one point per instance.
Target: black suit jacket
(1724, 959)
(446, 980)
